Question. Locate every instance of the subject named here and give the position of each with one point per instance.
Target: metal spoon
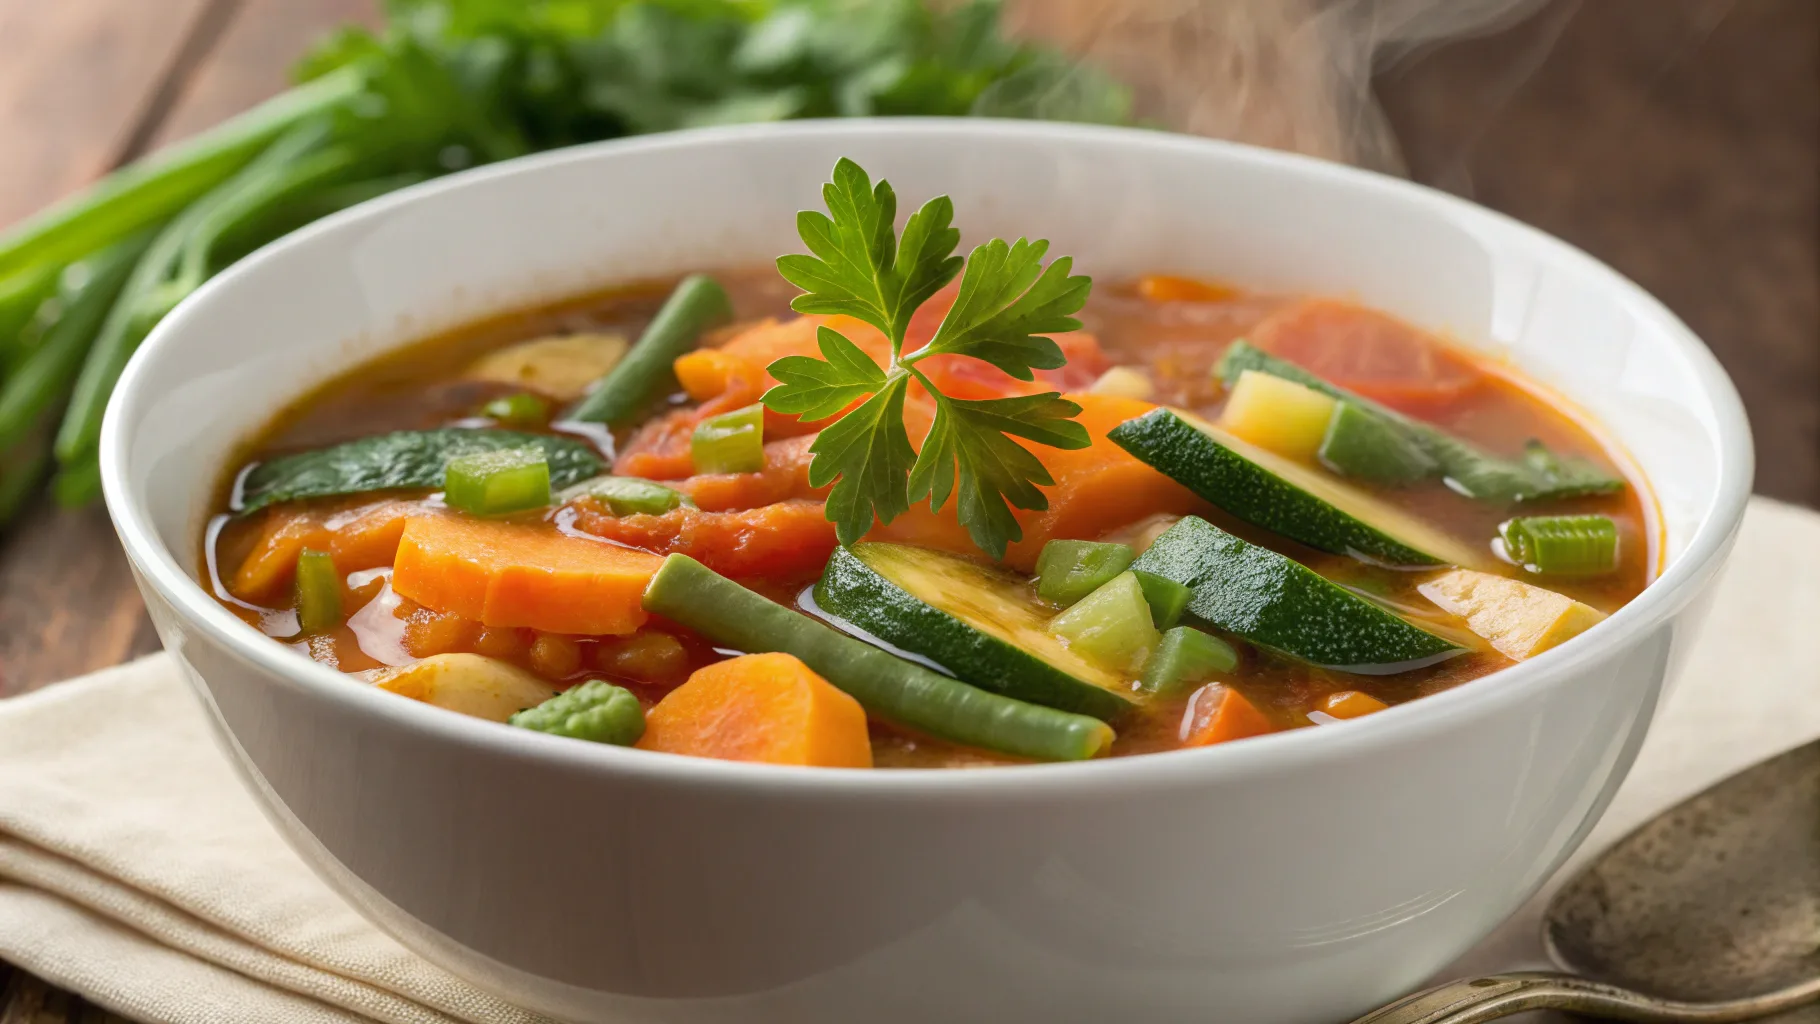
(1709, 913)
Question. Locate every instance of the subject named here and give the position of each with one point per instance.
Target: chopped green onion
(596, 711)
(628, 495)
(1111, 625)
(1562, 545)
(498, 482)
(1366, 446)
(318, 591)
(1184, 658)
(517, 410)
(732, 442)
(1069, 570)
(1167, 598)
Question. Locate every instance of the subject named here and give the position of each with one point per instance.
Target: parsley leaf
(1007, 304)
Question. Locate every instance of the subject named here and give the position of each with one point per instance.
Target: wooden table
(1679, 140)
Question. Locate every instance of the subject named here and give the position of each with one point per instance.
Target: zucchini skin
(855, 593)
(1208, 468)
(1276, 602)
(901, 691)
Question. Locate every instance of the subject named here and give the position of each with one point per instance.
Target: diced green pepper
(629, 495)
(1184, 658)
(1167, 598)
(596, 711)
(732, 442)
(1562, 545)
(318, 591)
(1069, 570)
(517, 410)
(495, 483)
(1111, 625)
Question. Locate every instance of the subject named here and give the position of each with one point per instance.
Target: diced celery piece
(1562, 545)
(517, 410)
(629, 495)
(1167, 598)
(1277, 414)
(1366, 446)
(1069, 570)
(596, 711)
(318, 591)
(1184, 658)
(732, 442)
(495, 483)
(1111, 625)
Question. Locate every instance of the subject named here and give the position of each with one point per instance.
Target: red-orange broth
(1173, 330)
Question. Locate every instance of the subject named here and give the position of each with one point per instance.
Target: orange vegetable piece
(659, 450)
(515, 574)
(272, 563)
(768, 708)
(1170, 288)
(1222, 714)
(1369, 352)
(369, 539)
(790, 538)
(785, 476)
(1351, 704)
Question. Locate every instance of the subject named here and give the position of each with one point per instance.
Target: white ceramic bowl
(1300, 877)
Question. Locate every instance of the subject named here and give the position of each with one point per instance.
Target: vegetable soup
(883, 506)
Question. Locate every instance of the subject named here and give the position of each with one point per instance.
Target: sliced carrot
(1097, 489)
(1369, 352)
(367, 538)
(790, 538)
(514, 574)
(1221, 714)
(1170, 288)
(272, 563)
(785, 476)
(767, 708)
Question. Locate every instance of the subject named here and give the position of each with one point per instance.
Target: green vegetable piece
(1538, 475)
(1112, 625)
(1278, 603)
(1562, 545)
(733, 442)
(685, 591)
(1185, 658)
(497, 483)
(974, 621)
(521, 409)
(1069, 570)
(596, 711)
(641, 379)
(1368, 447)
(318, 591)
(629, 495)
(401, 460)
(1167, 598)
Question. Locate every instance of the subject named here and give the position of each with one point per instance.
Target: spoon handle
(1495, 996)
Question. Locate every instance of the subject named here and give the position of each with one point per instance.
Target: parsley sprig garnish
(1008, 302)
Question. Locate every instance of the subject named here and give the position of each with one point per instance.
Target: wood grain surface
(1679, 140)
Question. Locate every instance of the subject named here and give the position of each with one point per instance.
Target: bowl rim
(1397, 726)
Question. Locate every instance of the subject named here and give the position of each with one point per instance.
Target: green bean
(644, 376)
(728, 614)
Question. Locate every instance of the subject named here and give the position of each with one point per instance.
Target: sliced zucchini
(1283, 496)
(1278, 603)
(1519, 619)
(982, 625)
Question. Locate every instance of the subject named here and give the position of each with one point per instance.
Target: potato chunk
(1519, 619)
(561, 367)
(469, 683)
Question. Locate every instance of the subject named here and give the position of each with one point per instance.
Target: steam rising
(1291, 74)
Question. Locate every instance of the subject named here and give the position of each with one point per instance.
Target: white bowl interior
(1123, 202)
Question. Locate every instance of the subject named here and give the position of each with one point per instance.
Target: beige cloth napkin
(136, 871)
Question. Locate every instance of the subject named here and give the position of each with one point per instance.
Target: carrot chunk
(1170, 288)
(513, 574)
(369, 538)
(785, 476)
(272, 563)
(768, 708)
(1220, 714)
(790, 538)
